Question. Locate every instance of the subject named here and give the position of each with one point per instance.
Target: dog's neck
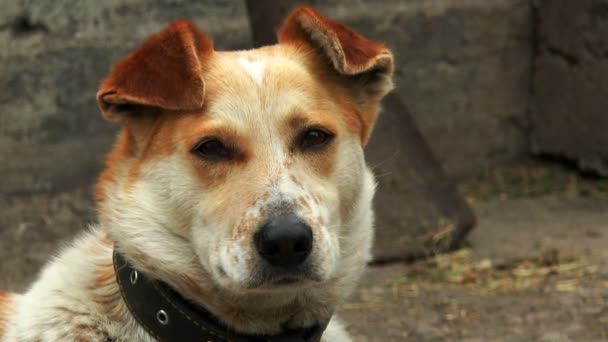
(251, 314)
(166, 315)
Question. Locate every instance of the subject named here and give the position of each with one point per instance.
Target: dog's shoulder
(74, 299)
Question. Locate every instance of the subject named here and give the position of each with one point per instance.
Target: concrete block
(569, 118)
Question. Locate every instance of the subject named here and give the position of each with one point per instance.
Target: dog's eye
(212, 149)
(314, 139)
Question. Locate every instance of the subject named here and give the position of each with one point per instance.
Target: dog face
(243, 167)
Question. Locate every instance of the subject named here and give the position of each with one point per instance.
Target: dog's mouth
(288, 281)
(268, 278)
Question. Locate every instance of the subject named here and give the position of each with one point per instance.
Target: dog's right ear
(165, 73)
(366, 65)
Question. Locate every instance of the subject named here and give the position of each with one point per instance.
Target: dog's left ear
(165, 73)
(366, 65)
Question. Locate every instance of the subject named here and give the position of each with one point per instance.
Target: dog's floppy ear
(365, 66)
(164, 73)
(349, 53)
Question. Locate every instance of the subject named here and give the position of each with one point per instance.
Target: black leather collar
(167, 316)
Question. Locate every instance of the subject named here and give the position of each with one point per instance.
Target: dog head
(244, 170)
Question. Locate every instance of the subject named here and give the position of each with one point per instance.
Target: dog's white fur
(195, 231)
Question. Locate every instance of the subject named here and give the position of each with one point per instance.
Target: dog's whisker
(384, 161)
(383, 175)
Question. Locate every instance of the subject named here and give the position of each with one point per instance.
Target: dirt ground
(535, 267)
(537, 270)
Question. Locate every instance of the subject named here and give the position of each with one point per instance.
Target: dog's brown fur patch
(5, 303)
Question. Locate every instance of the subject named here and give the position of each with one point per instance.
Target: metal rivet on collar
(162, 317)
(133, 277)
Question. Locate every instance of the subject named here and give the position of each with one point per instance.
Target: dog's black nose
(284, 241)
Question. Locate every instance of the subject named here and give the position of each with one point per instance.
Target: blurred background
(504, 131)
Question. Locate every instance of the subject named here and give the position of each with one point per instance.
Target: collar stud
(133, 277)
(162, 317)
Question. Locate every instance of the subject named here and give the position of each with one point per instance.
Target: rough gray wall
(53, 55)
(462, 69)
(571, 83)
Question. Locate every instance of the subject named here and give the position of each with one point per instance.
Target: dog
(235, 205)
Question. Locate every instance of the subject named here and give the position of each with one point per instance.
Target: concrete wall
(463, 69)
(570, 115)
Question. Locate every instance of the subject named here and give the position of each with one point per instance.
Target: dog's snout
(284, 241)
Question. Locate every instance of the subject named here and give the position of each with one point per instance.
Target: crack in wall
(534, 52)
(567, 57)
